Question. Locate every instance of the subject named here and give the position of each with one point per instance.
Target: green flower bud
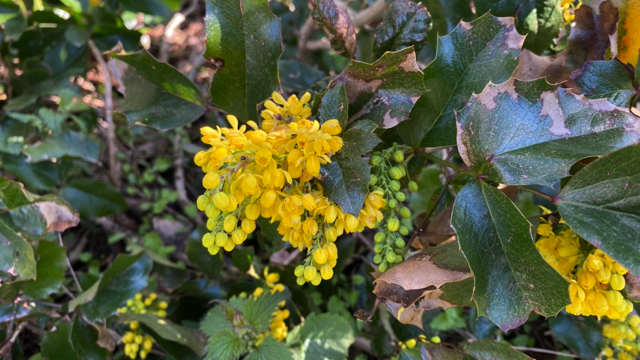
(300, 280)
(401, 196)
(398, 252)
(403, 230)
(403, 171)
(393, 203)
(391, 258)
(373, 180)
(413, 186)
(377, 259)
(405, 213)
(398, 156)
(379, 237)
(400, 243)
(299, 271)
(383, 266)
(393, 224)
(395, 185)
(395, 173)
(376, 160)
(378, 248)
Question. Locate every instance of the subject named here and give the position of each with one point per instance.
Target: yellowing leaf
(630, 33)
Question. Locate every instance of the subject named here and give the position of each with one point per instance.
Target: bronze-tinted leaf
(337, 24)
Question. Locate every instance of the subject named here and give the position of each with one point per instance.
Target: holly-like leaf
(126, 276)
(156, 94)
(511, 277)
(606, 80)
(225, 345)
(16, 255)
(446, 14)
(472, 55)
(93, 198)
(67, 144)
(385, 91)
(346, 182)
(50, 269)
(168, 330)
(244, 43)
(325, 336)
(359, 139)
(532, 132)
(334, 106)
(581, 334)
(337, 24)
(600, 204)
(540, 20)
(405, 24)
(493, 350)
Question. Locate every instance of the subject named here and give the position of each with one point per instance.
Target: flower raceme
(595, 279)
(273, 172)
(621, 338)
(135, 341)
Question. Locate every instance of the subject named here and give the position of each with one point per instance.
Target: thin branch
(177, 19)
(367, 15)
(73, 273)
(108, 114)
(6, 348)
(437, 160)
(178, 174)
(536, 192)
(545, 351)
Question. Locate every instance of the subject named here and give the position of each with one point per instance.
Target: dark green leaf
(337, 24)
(600, 203)
(242, 258)
(243, 41)
(606, 80)
(269, 231)
(270, 349)
(493, 350)
(168, 330)
(126, 277)
(12, 19)
(346, 182)
(334, 106)
(385, 91)
(215, 321)
(211, 265)
(405, 24)
(51, 268)
(93, 198)
(84, 338)
(581, 334)
(446, 14)
(67, 144)
(152, 7)
(511, 278)
(56, 344)
(225, 345)
(106, 36)
(40, 176)
(296, 76)
(531, 133)
(156, 94)
(359, 139)
(459, 293)
(259, 312)
(474, 54)
(325, 337)
(16, 255)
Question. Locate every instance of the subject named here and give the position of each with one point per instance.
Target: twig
(536, 192)
(178, 174)
(367, 15)
(545, 351)
(6, 348)
(177, 19)
(303, 36)
(108, 114)
(73, 273)
(437, 160)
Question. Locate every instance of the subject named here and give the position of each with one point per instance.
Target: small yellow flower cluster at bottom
(595, 281)
(135, 341)
(621, 338)
(411, 343)
(277, 328)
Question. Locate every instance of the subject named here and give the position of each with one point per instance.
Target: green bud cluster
(388, 173)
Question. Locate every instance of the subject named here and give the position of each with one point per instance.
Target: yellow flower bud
(163, 305)
(310, 226)
(308, 202)
(310, 273)
(134, 325)
(221, 239)
(599, 304)
(351, 223)
(594, 263)
(332, 251)
(587, 280)
(313, 165)
(619, 269)
(128, 337)
(211, 180)
(257, 292)
(273, 278)
(138, 339)
(202, 202)
(248, 226)
(230, 223)
(238, 236)
(331, 127)
(331, 234)
(229, 246)
(603, 275)
(214, 249)
(268, 198)
(614, 298)
(220, 200)
(252, 211)
(320, 256)
(207, 240)
(617, 282)
(411, 343)
(201, 158)
(316, 281)
(326, 272)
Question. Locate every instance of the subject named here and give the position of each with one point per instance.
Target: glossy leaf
(152, 7)
(581, 334)
(359, 139)
(40, 176)
(532, 132)
(16, 255)
(337, 24)
(474, 54)
(120, 282)
(243, 41)
(446, 14)
(405, 24)
(168, 330)
(297, 76)
(84, 339)
(346, 182)
(93, 198)
(511, 277)
(334, 106)
(67, 144)
(600, 204)
(606, 80)
(156, 94)
(384, 91)
(493, 350)
(50, 269)
(56, 344)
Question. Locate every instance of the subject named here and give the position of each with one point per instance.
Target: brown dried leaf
(407, 282)
(438, 230)
(633, 286)
(59, 217)
(107, 338)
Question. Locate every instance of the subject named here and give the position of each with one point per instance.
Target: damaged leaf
(16, 255)
(405, 24)
(244, 42)
(606, 80)
(334, 105)
(629, 33)
(532, 132)
(473, 54)
(337, 24)
(600, 204)
(383, 92)
(437, 231)
(511, 277)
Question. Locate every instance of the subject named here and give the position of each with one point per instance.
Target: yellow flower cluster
(411, 343)
(568, 10)
(272, 172)
(277, 328)
(595, 280)
(621, 338)
(136, 342)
